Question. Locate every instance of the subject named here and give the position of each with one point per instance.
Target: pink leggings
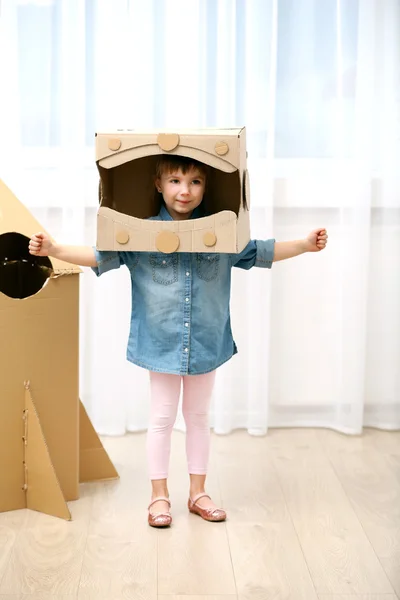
(165, 392)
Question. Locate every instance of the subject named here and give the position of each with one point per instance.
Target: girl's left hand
(316, 240)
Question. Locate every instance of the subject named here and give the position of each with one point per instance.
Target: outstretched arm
(41, 245)
(314, 242)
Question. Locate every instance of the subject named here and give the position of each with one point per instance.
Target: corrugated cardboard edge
(43, 490)
(134, 144)
(14, 216)
(145, 231)
(94, 462)
(131, 154)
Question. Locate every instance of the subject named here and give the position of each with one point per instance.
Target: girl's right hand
(40, 245)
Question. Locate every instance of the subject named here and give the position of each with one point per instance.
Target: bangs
(170, 164)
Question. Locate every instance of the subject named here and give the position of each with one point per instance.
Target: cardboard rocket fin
(94, 462)
(43, 491)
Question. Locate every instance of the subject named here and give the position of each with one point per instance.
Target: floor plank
(10, 524)
(337, 550)
(386, 443)
(357, 597)
(35, 597)
(194, 558)
(260, 531)
(268, 562)
(392, 570)
(46, 558)
(120, 569)
(174, 597)
(369, 483)
(259, 496)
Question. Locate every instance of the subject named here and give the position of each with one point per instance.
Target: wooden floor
(313, 515)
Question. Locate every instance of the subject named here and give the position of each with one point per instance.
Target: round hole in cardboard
(21, 274)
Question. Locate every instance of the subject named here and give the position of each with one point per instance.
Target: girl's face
(182, 193)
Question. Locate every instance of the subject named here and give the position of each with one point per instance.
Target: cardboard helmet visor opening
(129, 188)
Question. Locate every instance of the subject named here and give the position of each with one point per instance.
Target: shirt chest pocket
(164, 268)
(208, 266)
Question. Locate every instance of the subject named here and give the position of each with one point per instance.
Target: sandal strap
(198, 496)
(157, 499)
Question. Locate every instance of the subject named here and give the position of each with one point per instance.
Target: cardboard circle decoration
(21, 274)
(168, 141)
(209, 239)
(167, 242)
(122, 237)
(221, 148)
(114, 144)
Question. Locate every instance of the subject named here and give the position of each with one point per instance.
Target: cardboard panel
(94, 463)
(205, 145)
(51, 325)
(143, 235)
(43, 491)
(40, 344)
(12, 403)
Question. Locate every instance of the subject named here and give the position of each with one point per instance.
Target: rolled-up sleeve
(107, 261)
(258, 253)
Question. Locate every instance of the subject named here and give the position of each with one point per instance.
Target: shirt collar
(165, 216)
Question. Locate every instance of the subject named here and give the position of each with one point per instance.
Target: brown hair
(170, 163)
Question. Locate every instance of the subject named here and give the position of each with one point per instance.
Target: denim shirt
(180, 321)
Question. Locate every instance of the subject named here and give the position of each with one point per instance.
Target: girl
(180, 326)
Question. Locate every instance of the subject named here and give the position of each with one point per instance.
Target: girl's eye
(196, 181)
(174, 180)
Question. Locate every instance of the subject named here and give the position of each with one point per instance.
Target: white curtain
(316, 82)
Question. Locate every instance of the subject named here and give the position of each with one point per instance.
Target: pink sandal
(208, 514)
(160, 519)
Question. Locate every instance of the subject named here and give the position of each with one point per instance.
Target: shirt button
(164, 262)
(187, 274)
(186, 324)
(187, 299)
(186, 350)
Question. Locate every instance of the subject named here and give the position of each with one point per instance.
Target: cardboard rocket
(47, 442)
(126, 160)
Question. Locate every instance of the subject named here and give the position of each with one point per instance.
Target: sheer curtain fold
(317, 86)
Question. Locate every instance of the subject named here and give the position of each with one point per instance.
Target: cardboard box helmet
(127, 163)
